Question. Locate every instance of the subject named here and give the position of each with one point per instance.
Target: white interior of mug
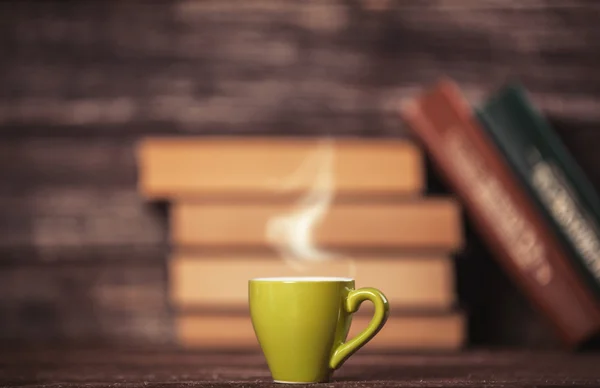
(304, 279)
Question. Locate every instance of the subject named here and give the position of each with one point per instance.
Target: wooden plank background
(80, 82)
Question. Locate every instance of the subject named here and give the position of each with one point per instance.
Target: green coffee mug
(302, 323)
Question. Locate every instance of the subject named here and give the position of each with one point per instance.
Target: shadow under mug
(301, 324)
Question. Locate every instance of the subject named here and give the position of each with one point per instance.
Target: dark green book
(550, 175)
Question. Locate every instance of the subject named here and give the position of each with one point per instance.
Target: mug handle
(352, 303)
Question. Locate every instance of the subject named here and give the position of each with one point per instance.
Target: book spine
(546, 181)
(423, 224)
(475, 170)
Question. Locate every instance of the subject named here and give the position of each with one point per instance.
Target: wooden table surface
(175, 368)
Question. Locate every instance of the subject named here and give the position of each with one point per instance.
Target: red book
(501, 210)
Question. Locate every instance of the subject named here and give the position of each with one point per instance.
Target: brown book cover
(419, 223)
(500, 208)
(270, 167)
(409, 282)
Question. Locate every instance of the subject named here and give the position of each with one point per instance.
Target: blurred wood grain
(81, 82)
(54, 216)
(87, 301)
(104, 163)
(336, 67)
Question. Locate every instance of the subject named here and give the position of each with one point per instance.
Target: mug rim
(305, 279)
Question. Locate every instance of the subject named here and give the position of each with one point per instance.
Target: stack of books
(245, 207)
(525, 192)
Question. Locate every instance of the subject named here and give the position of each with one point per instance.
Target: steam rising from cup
(292, 233)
